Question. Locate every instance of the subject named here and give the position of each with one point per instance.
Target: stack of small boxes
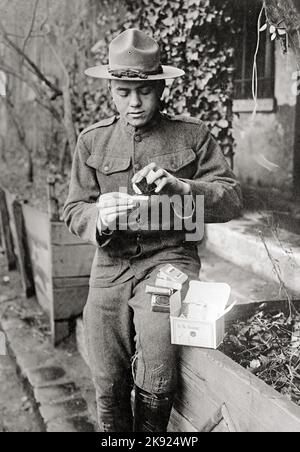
(167, 288)
(198, 320)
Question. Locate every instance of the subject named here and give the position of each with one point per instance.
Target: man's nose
(135, 100)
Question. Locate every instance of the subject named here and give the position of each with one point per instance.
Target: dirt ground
(16, 411)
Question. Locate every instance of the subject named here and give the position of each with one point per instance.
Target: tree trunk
(68, 118)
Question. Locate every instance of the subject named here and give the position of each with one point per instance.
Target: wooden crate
(61, 268)
(53, 264)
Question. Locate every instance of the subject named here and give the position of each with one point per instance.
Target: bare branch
(41, 98)
(68, 120)
(31, 25)
(35, 68)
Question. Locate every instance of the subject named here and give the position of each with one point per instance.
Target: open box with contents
(200, 319)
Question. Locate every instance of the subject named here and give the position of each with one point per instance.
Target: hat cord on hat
(133, 73)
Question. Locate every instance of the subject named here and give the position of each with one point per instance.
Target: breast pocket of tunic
(181, 163)
(113, 172)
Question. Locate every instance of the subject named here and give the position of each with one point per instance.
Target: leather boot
(152, 411)
(115, 415)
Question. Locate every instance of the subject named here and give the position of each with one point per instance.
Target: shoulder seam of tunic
(104, 123)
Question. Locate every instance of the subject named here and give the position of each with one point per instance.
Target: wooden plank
(71, 261)
(60, 235)
(37, 229)
(60, 331)
(76, 281)
(69, 302)
(6, 235)
(253, 405)
(195, 401)
(179, 424)
(9, 202)
(24, 258)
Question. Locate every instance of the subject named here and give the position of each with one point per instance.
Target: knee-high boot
(152, 411)
(115, 414)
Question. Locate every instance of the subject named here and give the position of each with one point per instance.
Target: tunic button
(138, 138)
(106, 168)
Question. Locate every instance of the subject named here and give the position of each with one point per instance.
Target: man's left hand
(166, 183)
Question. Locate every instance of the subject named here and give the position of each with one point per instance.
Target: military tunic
(109, 153)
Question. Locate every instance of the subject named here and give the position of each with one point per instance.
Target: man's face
(137, 102)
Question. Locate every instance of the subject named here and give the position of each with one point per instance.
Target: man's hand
(112, 206)
(166, 183)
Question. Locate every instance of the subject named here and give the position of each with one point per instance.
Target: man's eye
(146, 91)
(123, 93)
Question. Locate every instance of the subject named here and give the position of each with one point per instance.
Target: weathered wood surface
(71, 268)
(23, 252)
(209, 379)
(69, 301)
(10, 198)
(6, 236)
(60, 235)
(20, 245)
(72, 260)
(38, 236)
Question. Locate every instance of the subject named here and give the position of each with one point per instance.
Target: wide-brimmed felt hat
(134, 56)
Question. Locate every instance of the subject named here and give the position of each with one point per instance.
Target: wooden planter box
(53, 263)
(218, 395)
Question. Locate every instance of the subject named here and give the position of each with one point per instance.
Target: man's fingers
(155, 176)
(161, 185)
(116, 209)
(112, 201)
(143, 173)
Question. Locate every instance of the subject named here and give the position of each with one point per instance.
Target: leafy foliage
(195, 35)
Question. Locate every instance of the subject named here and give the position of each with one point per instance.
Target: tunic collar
(132, 130)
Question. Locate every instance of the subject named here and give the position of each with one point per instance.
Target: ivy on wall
(195, 35)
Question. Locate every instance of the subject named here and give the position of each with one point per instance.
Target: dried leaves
(268, 345)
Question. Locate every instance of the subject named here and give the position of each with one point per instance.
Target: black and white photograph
(149, 219)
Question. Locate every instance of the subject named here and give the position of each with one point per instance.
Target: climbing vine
(195, 35)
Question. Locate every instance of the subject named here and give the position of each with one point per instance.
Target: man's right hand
(111, 207)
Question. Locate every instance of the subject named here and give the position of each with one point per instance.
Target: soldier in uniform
(129, 344)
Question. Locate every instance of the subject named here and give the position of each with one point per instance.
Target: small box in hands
(143, 188)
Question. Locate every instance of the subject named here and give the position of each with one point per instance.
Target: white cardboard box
(206, 330)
